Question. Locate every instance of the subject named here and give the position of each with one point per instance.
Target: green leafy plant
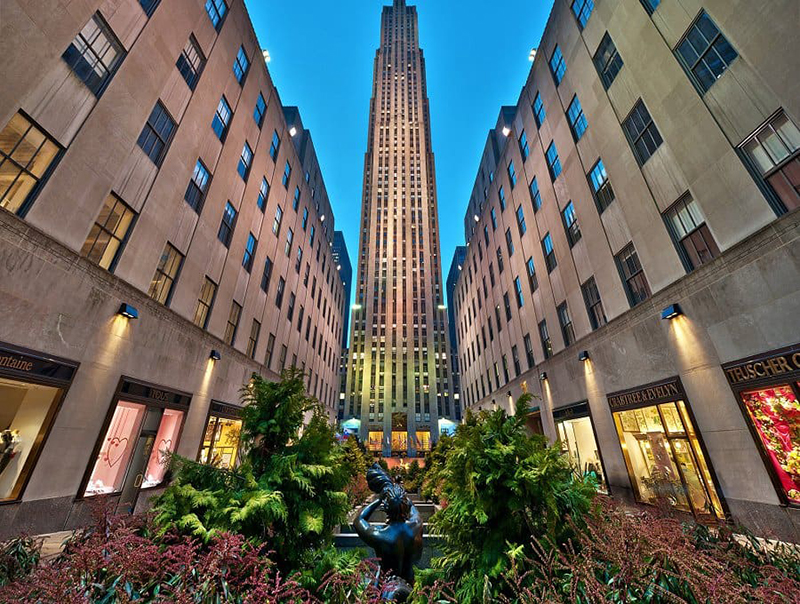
(18, 557)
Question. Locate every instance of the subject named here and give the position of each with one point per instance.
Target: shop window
(94, 55)
(687, 226)
(375, 441)
(190, 62)
(166, 272)
(423, 441)
(399, 441)
(109, 232)
(166, 440)
(221, 441)
(576, 435)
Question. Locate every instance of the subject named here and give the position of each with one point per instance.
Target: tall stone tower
(398, 381)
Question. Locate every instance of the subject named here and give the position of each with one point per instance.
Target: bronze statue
(397, 544)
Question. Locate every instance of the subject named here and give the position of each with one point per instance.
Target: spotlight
(215, 355)
(584, 355)
(292, 131)
(477, 218)
(671, 311)
(506, 130)
(543, 375)
(128, 311)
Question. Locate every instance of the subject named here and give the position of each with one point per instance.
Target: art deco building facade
(456, 266)
(633, 249)
(398, 383)
(164, 233)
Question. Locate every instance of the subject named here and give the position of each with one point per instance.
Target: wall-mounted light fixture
(292, 131)
(215, 355)
(671, 311)
(543, 375)
(477, 218)
(322, 218)
(442, 307)
(506, 130)
(584, 355)
(128, 311)
(356, 307)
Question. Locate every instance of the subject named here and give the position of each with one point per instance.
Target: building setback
(456, 266)
(398, 384)
(164, 233)
(633, 254)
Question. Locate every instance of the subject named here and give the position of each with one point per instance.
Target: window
(222, 118)
(260, 111)
(536, 198)
(252, 341)
(190, 62)
(566, 324)
(549, 254)
(533, 283)
(507, 306)
(270, 349)
(521, 221)
(279, 291)
(287, 174)
(233, 323)
(642, 132)
(198, 186)
(601, 186)
(577, 121)
(515, 359)
(774, 150)
(529, 350)
(227, 225)
(544, 336)
(518, 289)
(276, 222)
(523, 146)
(299, 261)
(245, 161)
(165, 275)
(290, 309)
(493, 216)
(704, 52)
(311, 236)
(582, 9)
(275, 146)
(570, 221)
(221, 440)
(509, 243)
(26, 155)
(109, 232)
(500, 265)
(501, 194)
(594, 306)
(156, 134)
(553, 163)
(512, 175)
(300, 316)
(204, 303)
(263, 194)
(650, 5)
(148, 6)
(240, 65)
(486, 235)
(216, 9)
(538, 110)
(557, 65)
(94, 55)
(633, 276)
(296, 199)
(249, 253)
(267, 274)
(688, 229)
(282, 359)
(607, 61)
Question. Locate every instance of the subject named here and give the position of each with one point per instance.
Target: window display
(165, 443)
(374, 441)
(221, 442)
(423, 441)
(578, 443)
(399, 441)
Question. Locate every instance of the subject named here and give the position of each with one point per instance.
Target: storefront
(579, 442)
(768, 390)
(375, 441)
(142, 428)
(222, 436)
(32, 386)
(534, 421)
(663, 452)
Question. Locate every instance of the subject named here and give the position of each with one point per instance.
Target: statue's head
(396, 503)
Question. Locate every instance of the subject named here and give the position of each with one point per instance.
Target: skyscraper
(398, 382)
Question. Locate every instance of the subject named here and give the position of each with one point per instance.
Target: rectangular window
(523, 146)
(521, 221)
(536, 197)
(26, 156)
(704, 52)
(300, 316)
(582, 9)
(252, 341)
(198, 186)
(566, 324)
(260, 111)
(601, 186)
(570, 221)
(94, 55)
(263, 194)
(233, 323)
(240, 65)
(518, 289)
(222, 119)
(650, 5)
(157, 134)
(544, 336)
(289, 239)
(282, 359)
(553, 163)
(594, 306)
(304, 221)
(249, 253)
(497, 318)
(267, 274)
(509, 243)
(633, 276)
(227, 225)
(290, 308)
(166, 272)
(276, 222)
(549, 254)
(505, 369)
(287, 174)
(500, 265)
(109, 232)
(512, 175)
(642, 132)
(607, 61)
(557, 65)
(538, 110)
(515, 360)
(493, 216)
(204, 303)
(299, 261)
(245, 161)
(687, 226)
(577, 120)
(190, 62)
(221, 441)
(216, 9)
(275, 146)
(486, 235)
(270, 349)
(296, 199)
(507, 306)
(311, 236)
(533, 283)
(529, 350)
(148, 6)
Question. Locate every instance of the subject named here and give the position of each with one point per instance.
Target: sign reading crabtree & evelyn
(650, 394)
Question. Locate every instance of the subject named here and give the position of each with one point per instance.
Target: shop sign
(25, 364)
(153, 394)
(571, 412)
(650, 394)
(775, 364)
(225, 409)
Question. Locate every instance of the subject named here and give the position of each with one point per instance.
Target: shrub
(18, 557)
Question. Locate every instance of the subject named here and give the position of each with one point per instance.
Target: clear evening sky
(476, 56)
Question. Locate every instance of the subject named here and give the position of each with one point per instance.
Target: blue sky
(477, 60)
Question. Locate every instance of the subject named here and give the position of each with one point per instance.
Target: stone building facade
(164, 233)
(633, 254)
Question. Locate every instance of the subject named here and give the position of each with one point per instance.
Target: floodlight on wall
(543, 376)
(584, 355)
(321, 218)
(215, 355)
(532, 55)
(265, 54)
(442, 307)
(671, 311)
(292, 131)
(477, 218)
(128, 311)
(506, 130)
(356, 307)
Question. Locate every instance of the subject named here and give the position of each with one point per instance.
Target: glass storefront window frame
(578, 411)
(222, 411)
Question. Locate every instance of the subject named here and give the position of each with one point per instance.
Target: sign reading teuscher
(652, 394)
(770, 365)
